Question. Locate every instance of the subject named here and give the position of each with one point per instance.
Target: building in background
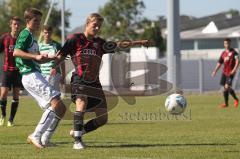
(203, 37)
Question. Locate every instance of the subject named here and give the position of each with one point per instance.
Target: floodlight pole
(46, 19)
(173, 45)
(62, 21)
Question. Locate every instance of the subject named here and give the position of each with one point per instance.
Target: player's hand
(53, 72)
(214, 73)
(41, 57)
(232, 72)
(52, 57)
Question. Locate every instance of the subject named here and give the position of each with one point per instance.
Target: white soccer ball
(175, 104)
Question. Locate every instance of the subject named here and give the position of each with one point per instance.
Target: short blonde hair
(94, 17)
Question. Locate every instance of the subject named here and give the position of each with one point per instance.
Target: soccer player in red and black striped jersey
(11, 77)
(86, 51)
(230, 59)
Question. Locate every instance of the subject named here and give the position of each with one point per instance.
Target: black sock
(78, 125)
(231, 91)
(14, 108)
(91, 126)
(225, 95)
(3, 105)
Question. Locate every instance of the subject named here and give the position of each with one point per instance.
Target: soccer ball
(175, 104)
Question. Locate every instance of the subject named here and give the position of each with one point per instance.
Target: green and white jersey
(26, 42)
(51, 50)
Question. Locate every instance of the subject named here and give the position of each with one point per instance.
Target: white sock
(44, 123)
(50, 130)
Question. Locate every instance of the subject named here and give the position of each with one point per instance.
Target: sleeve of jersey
(236, 55)
(2, 43)
(68, 47)
(108, 47)
(220, 60)
(23, 41)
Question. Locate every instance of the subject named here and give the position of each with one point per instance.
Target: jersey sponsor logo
(89, 52)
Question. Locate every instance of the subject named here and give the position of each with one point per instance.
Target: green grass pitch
(140, 131)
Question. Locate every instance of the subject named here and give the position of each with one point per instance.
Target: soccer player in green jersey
(51, 47)
(27, 60)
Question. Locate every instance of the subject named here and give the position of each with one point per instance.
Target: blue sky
(81, 8)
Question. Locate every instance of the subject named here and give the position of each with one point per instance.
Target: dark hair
(30, 13)
(14, 18)
(228, 40)
(47, 27)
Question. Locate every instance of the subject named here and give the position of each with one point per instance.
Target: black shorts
(12, 79)
(93, 91)
(226, 80)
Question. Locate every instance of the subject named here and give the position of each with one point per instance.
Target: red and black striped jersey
(86, 55)
(7, 43)
(228, 59)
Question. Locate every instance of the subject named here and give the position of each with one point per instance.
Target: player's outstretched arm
(111, 47)
(124, 44)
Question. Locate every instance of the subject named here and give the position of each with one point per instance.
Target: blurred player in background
(55, 77)
(27, 58)
(11, 78)
(230, 61)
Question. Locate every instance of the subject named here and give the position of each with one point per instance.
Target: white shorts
(39, 88)
(54, 81)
